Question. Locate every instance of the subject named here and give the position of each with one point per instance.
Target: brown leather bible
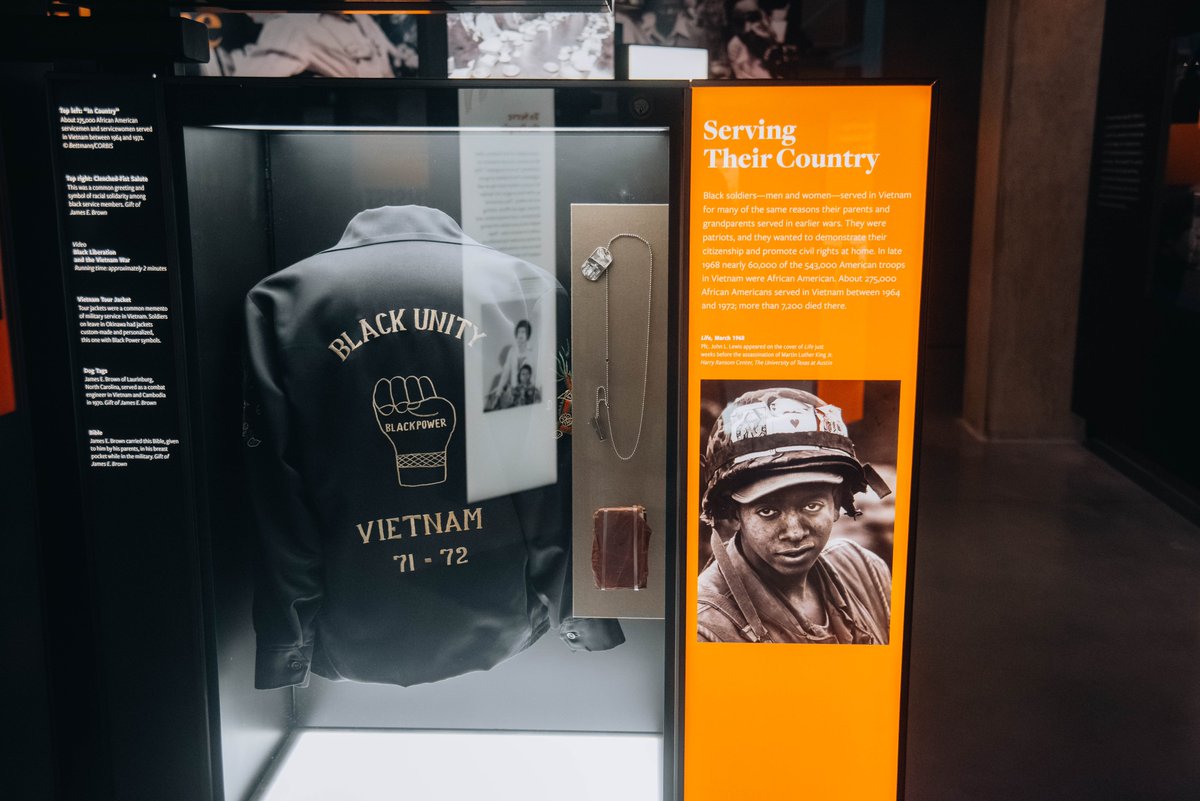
(620, 544)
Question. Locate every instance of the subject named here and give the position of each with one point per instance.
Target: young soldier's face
(785, 531)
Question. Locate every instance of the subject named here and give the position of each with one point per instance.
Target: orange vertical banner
(806, 239)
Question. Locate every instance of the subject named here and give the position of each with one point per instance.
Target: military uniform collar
(771, 604)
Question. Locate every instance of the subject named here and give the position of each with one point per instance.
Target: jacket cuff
(591, 634)
(282, 667)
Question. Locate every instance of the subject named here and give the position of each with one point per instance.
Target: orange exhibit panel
(807, 224)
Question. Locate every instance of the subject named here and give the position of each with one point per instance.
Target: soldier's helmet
(769, 439)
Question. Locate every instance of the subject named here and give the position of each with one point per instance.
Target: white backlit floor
(380, 765)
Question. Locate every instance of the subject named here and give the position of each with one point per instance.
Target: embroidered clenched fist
(418, 423)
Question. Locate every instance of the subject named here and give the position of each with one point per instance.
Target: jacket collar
(401, 223)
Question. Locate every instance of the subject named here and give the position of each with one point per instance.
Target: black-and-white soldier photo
(796, 523)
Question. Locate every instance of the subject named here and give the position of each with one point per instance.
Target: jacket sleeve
(288, 583)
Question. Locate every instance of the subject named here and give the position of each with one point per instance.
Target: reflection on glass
(554, 45)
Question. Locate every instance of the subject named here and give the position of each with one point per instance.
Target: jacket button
(294, 665)
(572, 635)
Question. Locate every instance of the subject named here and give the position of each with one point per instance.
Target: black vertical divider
(673, 739)
(222, 193)
(193, 435)
(434, 45)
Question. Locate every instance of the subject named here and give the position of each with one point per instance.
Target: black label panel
(123, 314)
(115, 254)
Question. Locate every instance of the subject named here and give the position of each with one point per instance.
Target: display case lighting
(321, 764)
(647, 62)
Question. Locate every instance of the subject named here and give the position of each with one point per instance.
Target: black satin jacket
(375, 566)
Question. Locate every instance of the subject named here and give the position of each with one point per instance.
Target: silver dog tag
(597, 263)
(598, 427)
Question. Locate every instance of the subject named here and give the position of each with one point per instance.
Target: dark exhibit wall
(27, 764)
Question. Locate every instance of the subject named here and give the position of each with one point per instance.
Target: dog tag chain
(594, 268)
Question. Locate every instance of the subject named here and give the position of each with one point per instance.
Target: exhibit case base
(376, 765)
